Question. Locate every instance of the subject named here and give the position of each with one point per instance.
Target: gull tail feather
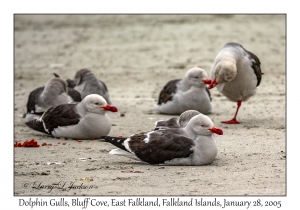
(117, 141)
(36, 125)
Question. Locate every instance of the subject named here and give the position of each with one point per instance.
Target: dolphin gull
(176, 122)
(86, 83)
(236, 73)
(193, 144)
(55, 92)
(189, 93)
(84, 120)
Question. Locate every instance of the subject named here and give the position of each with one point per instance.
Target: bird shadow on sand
(218, 162)
(132, 163)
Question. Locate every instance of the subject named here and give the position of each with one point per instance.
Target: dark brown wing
(256, 66)
(208, 92)
(61, 115)
(33, 99)
(163, 145)
(167, 92)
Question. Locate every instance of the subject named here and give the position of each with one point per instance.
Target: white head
(201, 125)
(195, 77)
(96, 104)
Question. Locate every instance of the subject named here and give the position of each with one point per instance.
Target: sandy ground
(136, 55)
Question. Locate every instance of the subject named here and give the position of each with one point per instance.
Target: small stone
(44, 173)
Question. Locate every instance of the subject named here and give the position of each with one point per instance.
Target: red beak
(216, 130)
(109, 107)
(213, 84)
(207, 81)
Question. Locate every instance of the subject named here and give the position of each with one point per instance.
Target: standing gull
(193, 144)
(189, 93)
(84, 120)
(86, 83)
(55, 92)
(236, 73)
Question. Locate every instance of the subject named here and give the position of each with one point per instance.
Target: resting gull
(86, 83)
(193, 144)
(55, 92)
(84, 120)
(189, 93)
(176, 122)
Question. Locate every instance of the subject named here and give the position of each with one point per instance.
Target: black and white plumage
(236, 73)
(84, 120)
(85, 82)
(189, 93)
(55, 92)
(193, 144)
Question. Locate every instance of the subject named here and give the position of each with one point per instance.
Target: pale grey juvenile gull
(87, 83)
(55, 92)
(236, 73)
(70, 82)
(189, 93)
(193, 144)
(84, 120)
(176, 122)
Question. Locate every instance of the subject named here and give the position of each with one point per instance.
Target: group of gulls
(77, 108)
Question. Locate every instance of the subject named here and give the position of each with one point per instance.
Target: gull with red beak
(192, 144)
(189, 93)
(84, 120)
(236, 73)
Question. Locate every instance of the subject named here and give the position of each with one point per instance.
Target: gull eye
(203, 126)
(96, 103)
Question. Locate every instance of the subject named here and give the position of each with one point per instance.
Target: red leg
(234, 121)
